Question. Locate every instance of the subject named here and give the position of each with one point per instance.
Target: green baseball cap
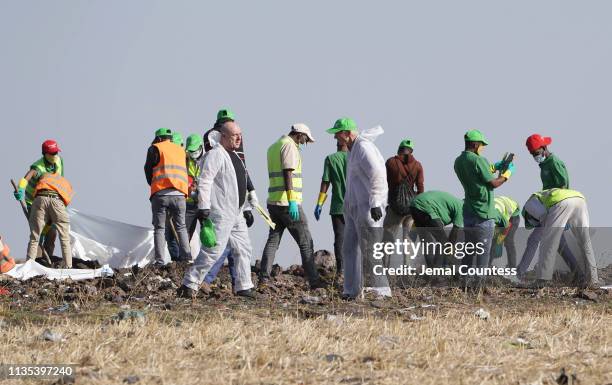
(194, 142)
(225, 113)
(163, 132)
(475, 136)
(177, 138)
(343, 124)
(407, 143)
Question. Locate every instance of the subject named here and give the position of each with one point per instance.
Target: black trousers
(338, 225)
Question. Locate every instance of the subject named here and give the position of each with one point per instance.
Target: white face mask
(53, 159)
(196, 154)
(539, 158)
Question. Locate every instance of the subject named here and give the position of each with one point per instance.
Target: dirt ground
(132, 329)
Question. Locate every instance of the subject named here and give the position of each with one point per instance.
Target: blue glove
(19, 194)
(318, 209)
(294, 213)
(497, 165)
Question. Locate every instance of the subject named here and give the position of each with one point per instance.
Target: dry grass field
(421, 336)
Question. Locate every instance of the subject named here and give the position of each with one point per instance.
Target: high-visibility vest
(41, 168)
(193, 173)
(553, 196)
(276, 186)
(57, 183)
(506, 207)
(171, 171)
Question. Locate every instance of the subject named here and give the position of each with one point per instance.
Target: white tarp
(29, 269)
(114, 243)
(111, 243)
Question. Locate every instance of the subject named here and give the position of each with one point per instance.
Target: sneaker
(186, 292)
(248, 293)
(158, 263)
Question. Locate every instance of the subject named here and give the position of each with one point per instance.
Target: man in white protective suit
(222, 190)
(364, 206)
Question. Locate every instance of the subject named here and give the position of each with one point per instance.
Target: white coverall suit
(573, 212)
(366, 188)
(218, 192)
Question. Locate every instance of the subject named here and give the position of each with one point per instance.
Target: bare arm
(29, 175)
(495, 183)
(288, 176)
(324, 187)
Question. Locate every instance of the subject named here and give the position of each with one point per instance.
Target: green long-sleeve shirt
(553, 173)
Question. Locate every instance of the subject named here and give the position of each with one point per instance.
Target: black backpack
(404, 193)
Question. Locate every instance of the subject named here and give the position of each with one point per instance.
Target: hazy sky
(101, 76)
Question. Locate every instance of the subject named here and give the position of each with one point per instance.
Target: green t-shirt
(334, 172)
(553, 173)
(440, 205)
(474, 173)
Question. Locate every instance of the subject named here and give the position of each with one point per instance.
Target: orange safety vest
(171, 171)
(57, 183)
(6, 262)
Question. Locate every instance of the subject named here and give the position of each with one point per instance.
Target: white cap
(303, 129)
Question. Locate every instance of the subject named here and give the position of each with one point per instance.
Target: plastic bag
(207, 234)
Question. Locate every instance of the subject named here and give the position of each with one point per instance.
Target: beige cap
(302, 128)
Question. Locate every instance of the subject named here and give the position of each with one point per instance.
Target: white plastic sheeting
(112, 244)
(29, 269)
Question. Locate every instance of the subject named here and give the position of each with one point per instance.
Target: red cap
(536, 141)
(50, 147)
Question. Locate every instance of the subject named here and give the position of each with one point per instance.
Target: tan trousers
(572, 212)
(49, 210)
(396, 227)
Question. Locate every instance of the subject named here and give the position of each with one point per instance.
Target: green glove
(207, 233)
(19, 194)
(294, 212)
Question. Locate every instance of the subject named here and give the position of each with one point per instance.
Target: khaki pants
(396, 227)
(50, 210)
(572, 212)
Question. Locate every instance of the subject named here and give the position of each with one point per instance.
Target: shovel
(25, 212)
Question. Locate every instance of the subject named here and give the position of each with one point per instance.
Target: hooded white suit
(366, 188)
(218, 191)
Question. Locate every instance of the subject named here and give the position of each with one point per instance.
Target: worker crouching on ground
(222, 190)
(50, 162)
(52, 194)
(431, 212)
(553, 211)
(553, 174)
(166, 173)
(506, 224)
(285, 203)
(334, 174)
(364, 208)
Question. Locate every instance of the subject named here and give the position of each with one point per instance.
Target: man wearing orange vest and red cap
(51, 196)
(552, 169)
(166, 173)
(50, 162)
